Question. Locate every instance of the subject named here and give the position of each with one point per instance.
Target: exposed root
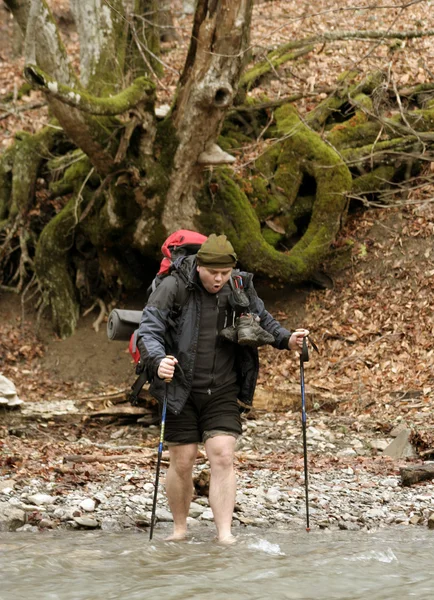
(103, 312)
(5, 248)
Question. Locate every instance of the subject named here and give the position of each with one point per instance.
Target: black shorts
(204, 413)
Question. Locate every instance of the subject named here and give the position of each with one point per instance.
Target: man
(180, 342)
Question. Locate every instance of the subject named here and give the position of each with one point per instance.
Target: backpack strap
(136, 388)
(181, 298)
(238, 299)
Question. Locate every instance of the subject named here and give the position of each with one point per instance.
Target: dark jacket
(170, 326)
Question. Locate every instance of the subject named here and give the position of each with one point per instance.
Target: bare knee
(221, 453)
(182, 459)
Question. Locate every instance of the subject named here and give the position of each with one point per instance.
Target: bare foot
(227, 540)
(178, 536)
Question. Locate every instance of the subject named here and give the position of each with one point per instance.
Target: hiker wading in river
(198, 340)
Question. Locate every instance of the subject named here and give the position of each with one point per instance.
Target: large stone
(11, 518)
(196, 510)
(401, 446)
(86, 522)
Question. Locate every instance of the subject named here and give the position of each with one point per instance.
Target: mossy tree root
(140, 91)
(275, 59)
(347, 89)
(19, 168)
(53, 269)
(240, 221)
(30, 151)
(6, 170)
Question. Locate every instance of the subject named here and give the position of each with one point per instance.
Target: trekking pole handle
(168, 380)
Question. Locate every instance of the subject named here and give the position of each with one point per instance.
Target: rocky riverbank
(84, 483)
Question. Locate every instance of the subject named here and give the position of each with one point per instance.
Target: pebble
(88, 505)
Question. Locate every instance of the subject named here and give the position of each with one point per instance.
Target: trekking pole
(160, 452)
(304, 357)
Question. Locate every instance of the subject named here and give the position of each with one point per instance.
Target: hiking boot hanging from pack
(229, 334)
(247, 332)
(250, 333)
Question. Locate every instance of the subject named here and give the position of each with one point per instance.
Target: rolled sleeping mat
(122, 324)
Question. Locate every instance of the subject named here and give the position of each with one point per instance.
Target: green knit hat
(217, 253)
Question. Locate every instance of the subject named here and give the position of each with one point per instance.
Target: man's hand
(166, 368)
(296, 339)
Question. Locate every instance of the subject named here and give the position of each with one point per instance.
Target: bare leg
(179, 486)
(220, 450)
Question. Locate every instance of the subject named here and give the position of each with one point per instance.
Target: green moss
(233, 137)
(333, 181)
(288, 176)
(166, 144)
(274, 60)
(422, 120)
(267, 163)
(29, 153)
(53, 269)
(377, 180)
(58, 164)
(73, 177)
(302, 207)
(271, 237)
(260, 188)
(235, 216)
(6, 166)
(352, 133)
(363, 101)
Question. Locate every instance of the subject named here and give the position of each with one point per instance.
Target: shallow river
(391, 564)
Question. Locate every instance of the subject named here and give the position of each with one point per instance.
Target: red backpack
(180, 243)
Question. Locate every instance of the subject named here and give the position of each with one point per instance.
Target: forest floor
(374, 326)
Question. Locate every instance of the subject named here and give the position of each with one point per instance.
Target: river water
(387, 564)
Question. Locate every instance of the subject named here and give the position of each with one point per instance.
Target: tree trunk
(208, 86)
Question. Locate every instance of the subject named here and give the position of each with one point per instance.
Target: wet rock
(431, 521)
(27, 528)
(196, 510)
(344, 494)
(45, 523)
(207, 515)
(11, 518)
(112, 525)
(164, 515)
(349, 525)
(86, 522)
